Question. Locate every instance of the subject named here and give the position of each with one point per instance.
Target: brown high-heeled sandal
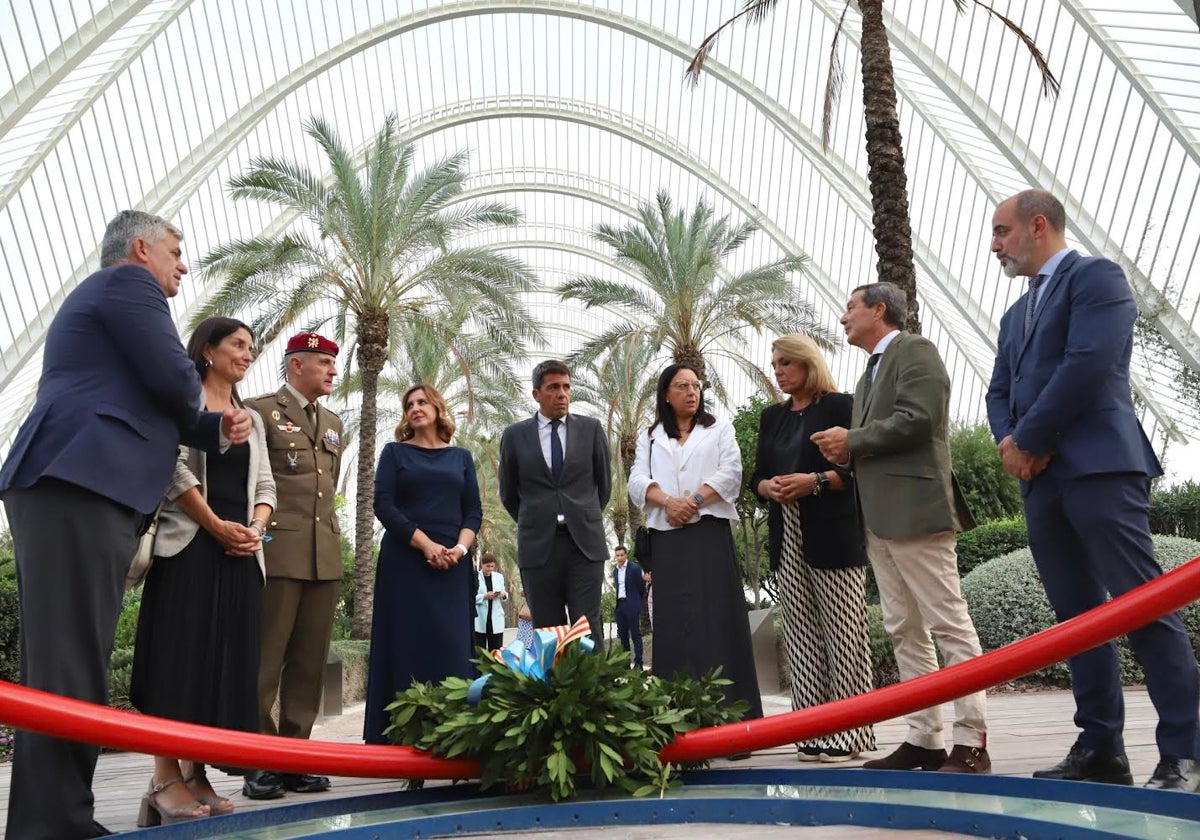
(218, 806)
(153, 813)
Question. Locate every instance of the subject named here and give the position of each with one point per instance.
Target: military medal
(292, 456)
(332, 437)
(275, 416)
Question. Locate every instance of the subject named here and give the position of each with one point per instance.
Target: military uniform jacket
(306, 462)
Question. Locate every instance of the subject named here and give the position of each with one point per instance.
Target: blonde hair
(797, 347)
(445, 425)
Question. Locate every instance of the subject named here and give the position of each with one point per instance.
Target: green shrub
(1176, 510)
(1008, 603)
(991, 492)
(127, 623)
(120, 670)
(10, 631)
(883, 657)
(989, 541)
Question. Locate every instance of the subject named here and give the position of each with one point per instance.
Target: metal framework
(576, 111)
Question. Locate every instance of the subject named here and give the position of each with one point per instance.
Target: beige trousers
(922, 603)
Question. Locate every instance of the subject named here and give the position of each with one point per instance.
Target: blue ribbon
(536, 663)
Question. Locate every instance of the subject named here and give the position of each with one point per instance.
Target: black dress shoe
(1085, 765)
(100, 831)
(304, 782)
(262, 784)
(1176, 774)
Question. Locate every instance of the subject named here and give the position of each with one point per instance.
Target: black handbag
(641, 537)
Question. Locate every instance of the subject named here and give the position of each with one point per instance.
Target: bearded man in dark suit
(86, 470)
(1061, 410)
(556, 489)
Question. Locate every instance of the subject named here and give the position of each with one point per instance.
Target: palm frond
(1050, 84)
(754, 11)
(834, 80)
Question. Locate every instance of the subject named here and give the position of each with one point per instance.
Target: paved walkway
(1027, 731)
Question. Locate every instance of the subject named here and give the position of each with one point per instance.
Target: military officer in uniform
(304, 560)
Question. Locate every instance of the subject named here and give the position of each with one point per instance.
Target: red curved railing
(62, 717)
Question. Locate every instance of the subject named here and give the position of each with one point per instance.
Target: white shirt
(710, 456)
(621, 580)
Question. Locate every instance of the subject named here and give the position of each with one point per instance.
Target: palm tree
(885, 149)
(621, 386)
(376, 241)
(686, 302)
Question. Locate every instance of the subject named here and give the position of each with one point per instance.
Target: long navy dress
(422, 623)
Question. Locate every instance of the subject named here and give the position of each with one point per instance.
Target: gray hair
(895, 305)
(127, 226)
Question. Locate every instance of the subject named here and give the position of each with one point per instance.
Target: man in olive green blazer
(911, 508)
(304, 557)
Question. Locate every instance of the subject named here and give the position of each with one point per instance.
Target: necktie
(310, 411)
(871, 363)
(556, 453)
(1031, 300)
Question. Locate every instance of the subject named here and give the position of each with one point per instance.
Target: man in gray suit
(911, 509)
(555, 480)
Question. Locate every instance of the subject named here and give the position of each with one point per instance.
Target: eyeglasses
(684, 387)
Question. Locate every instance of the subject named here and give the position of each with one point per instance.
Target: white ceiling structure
(576, 111)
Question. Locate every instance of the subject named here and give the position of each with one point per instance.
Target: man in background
(630, 586)
(304, 558)
(86, 470)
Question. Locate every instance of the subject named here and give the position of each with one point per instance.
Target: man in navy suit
(630, 587)
(555, 479)
(90, 463)
(1061, 410)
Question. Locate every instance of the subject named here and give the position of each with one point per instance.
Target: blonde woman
(816, 544)
(427, 498)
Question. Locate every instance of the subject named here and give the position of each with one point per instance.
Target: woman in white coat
(685, 478)
(489, 611)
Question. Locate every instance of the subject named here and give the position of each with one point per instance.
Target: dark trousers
(1090, 538)
(567, 587)
(491, 641)
(73, 549)
(628, 613)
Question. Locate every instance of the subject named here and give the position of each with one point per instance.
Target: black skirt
(700, 618)
(197, 650)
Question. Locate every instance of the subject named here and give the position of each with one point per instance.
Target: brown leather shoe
(967, 760)
(908, 757)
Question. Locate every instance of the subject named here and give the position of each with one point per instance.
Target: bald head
(1027, 230)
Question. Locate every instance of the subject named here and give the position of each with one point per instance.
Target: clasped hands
(680, 510)
(237, 539)
(1021, 464)
(787, 488)
(441, 557)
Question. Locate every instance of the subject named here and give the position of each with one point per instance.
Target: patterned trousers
(825, 634)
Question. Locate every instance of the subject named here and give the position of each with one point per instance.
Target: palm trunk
(885, 162)
(690, 355)
(372, 332)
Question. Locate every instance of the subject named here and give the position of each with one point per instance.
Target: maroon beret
(310, 343)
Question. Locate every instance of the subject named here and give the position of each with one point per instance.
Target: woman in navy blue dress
(427, 498)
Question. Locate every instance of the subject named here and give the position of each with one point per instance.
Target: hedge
(1007, 603)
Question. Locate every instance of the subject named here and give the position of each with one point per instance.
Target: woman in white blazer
(489, 611)
(197, 649)
(685, 478)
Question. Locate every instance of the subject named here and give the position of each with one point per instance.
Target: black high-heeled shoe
(153, 813)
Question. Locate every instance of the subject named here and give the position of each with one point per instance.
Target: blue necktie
(556, 453)
(1031, 300)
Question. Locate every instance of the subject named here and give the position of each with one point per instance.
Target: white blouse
(709, 456)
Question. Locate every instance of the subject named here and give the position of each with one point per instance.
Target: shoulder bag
(143, 557)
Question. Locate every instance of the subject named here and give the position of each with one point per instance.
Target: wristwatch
(698, 499)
